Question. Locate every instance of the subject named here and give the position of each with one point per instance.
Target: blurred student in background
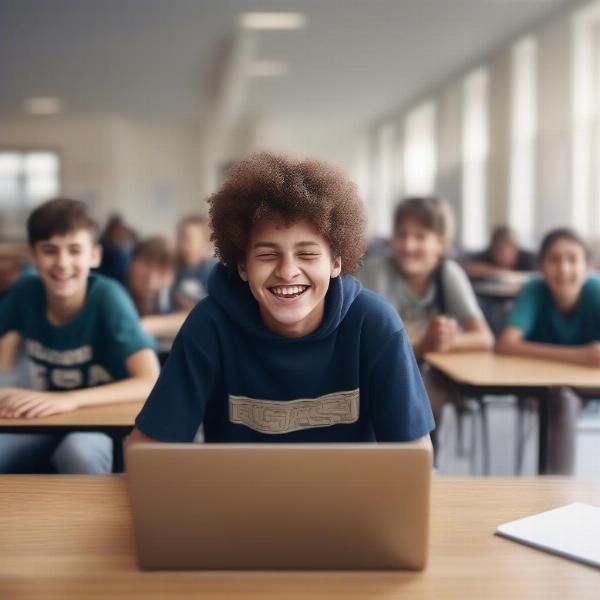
(502, 257)
(195, 260)
(12, 259)
(557, 317)
(117, 241)
(431, 292)
(150, 276)
(83, 340)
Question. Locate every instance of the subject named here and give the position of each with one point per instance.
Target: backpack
(440, 297)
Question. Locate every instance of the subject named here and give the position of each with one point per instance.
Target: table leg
(485, 436)
(118, 461)
(543, 434)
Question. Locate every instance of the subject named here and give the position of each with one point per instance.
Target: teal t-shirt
(89, 350)
(536, 314)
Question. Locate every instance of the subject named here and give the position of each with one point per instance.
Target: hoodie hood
(234, 298)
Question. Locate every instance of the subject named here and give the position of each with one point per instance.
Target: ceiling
(354, 61)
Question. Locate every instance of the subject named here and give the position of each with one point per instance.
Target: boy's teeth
(288, 290)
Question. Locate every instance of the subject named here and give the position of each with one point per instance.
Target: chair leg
(471, 409)
(520, 445)
(460, 438)
(524, 414)
(485, 437)
(474, 412)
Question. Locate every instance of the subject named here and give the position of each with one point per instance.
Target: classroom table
(497, 294)
(480, 373)
(505, 285)
(115, 420)
(70, 536)
(497, 289)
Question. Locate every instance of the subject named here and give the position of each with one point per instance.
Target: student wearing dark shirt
(288, 347)
(150, 279)
(502, 257)
(195, 260)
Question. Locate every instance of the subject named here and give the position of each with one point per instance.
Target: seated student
(150, 276)
(12, 263)
(83, 341)
(12, 259)
(431, 292)
(557, 317)
(195, 261)
(288, 347)
(502, 257)
(117, 241)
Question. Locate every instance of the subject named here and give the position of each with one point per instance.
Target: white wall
(146, 171)
(309, 138)
(554, 123)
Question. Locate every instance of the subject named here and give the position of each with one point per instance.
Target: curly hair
(270, 186)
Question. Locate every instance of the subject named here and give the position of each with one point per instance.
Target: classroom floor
(465, 459)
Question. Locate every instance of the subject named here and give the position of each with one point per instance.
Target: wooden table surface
(70, 537)
(484, 368)
(121, 414)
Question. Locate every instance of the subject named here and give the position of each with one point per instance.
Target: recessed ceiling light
(272, 20)
(267, 68)
(43, 106)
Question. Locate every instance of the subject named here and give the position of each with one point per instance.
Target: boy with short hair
(288, 347)
(150, 277)
(83, 340)
(431, 292)
(195, 260)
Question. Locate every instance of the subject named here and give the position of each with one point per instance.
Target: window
(475, 142)
(420, 150)
(26, 180)
(585, 216)
(385, 180)
(523, 137)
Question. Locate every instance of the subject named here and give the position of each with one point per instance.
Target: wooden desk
(497, 290)
(504, 287)
(115, 420)
(70, 537)
(480, 373)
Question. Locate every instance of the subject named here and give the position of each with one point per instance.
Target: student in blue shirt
(288, 347)
(82, 338)
(557, 317)
(195, 260)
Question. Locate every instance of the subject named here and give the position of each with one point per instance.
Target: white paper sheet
(572, 531)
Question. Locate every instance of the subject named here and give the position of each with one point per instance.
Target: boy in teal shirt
(557, 317)
(83, 341)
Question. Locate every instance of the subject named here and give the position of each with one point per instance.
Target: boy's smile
(288, 270)
(288, 292)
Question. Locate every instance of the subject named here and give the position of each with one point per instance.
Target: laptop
(280, 506)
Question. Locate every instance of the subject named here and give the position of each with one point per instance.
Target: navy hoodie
(353, 379)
